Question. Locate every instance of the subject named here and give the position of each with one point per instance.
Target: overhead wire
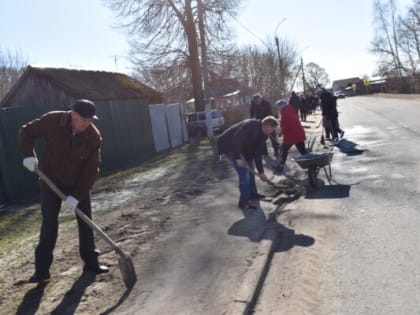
(248, 30)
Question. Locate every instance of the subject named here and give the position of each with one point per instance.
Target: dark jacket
(260, 111)
(244, 138)
(70, 161)
(295, 102)
(328, 104)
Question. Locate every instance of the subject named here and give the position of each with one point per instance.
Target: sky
(82, 33)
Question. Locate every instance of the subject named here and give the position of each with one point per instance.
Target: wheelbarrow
(313, 162)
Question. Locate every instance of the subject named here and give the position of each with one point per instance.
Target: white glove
(70, 202)
(31, 163)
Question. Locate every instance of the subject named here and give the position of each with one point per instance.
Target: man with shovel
(70, 158)
(243, 143)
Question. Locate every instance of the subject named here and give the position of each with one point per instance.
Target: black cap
(85, 109)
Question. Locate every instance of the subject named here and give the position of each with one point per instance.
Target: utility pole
(280, 65)
(303, 75)
(281, 79)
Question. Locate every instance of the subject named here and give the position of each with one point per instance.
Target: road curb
(254, 277)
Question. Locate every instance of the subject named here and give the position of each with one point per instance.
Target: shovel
(125, 262)
(256, 174)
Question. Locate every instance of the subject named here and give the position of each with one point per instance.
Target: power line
(248, 30)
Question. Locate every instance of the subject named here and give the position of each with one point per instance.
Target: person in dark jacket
(261, 108)
(71, 156)
(243, 143)
(295, 101)
(304, 108)
(330, 114)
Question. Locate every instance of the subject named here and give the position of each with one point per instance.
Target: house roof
(346, 82)
(94, 85)
(222, 86)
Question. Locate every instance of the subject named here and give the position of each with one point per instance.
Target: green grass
(17, 225)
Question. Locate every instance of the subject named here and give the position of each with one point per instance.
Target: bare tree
(386, 41)
(315, 76)
(259, 68)
(169, 33)
(12, 65)
(217, 48)
(409, 35)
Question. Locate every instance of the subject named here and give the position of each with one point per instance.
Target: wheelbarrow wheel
(312, 176)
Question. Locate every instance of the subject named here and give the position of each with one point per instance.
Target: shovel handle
(255, 173)
(79, 213)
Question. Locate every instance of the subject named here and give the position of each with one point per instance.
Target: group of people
(304, 104)
(71, 157)
(245, 142)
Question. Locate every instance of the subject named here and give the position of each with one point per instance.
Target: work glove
(31, 163)
(70, 202)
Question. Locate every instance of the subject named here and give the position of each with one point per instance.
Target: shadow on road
(348, 147)
(120, 301)
(72, 298)
(31, 300)
(288, 239)
(255, 224)
(329, 192)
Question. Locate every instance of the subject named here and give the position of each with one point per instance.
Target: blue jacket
(244, 139)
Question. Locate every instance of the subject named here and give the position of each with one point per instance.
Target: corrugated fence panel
(159, 127)
(184, 123)
(126, 128)
(175, 122)
(17, 182)
(127, 133)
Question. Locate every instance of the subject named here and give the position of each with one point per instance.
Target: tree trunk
(204, 62)
(193, 58)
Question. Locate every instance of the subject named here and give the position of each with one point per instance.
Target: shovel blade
(128, 272)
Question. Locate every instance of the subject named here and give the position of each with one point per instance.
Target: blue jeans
(247, 186)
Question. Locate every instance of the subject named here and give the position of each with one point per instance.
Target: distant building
(350, 86)
(52, 87)
(227, 93)
(341, 85)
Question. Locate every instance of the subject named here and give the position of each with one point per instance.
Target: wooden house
(52, 87)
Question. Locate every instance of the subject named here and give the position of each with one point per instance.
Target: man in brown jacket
(70, 158)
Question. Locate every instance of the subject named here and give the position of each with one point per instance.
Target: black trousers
(50, 207)
(333, 127)
(286, 147)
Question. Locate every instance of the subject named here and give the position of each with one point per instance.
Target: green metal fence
(127, 139)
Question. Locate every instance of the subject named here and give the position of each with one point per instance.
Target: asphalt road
(364, 258)
(346, 248)
(198, 267)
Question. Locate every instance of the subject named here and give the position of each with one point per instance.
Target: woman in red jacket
(292, 131)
